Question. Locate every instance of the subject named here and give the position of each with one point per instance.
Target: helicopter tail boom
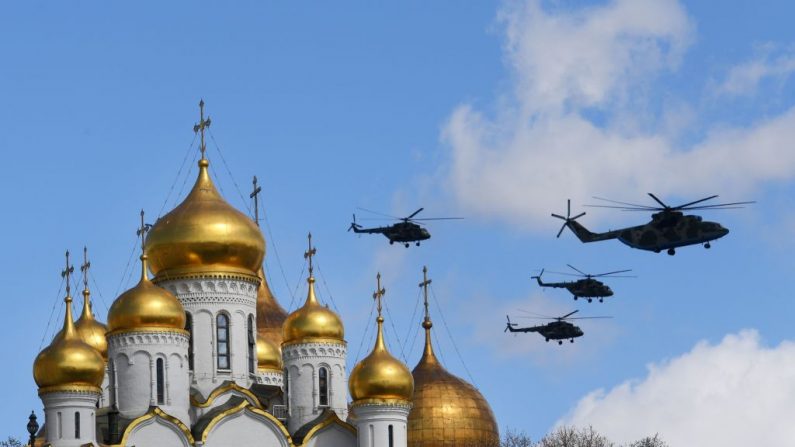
(585, 235)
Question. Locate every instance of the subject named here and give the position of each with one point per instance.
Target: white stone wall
(245, 429)
(373, 421)
(204, 299)
(332, 436)
(157, 432)
(134, 356)
(270, 378)
(59, 417)
(302, 362)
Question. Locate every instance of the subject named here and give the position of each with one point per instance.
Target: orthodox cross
(142, 231)
(379, 293)
(255, 195)
(67, 272)
(310, 253)
(203, 124)
(84, 268)
(424, 284)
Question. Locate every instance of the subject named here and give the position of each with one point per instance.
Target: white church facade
(202, 354)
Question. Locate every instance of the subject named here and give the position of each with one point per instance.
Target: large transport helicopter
(669, 228)
(587, 287)
(406, 231)
(559, 330)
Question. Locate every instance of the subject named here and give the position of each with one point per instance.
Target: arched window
(161, 382)
(77, 425)
(222, 335)
(189, 328)
(322, 386)
(391, 437)
(252, 344)
(287, 388)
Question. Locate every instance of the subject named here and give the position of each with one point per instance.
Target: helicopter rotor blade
(577, 270)
(566, 273)
(568, 315)
(437, 218)
(612, 273)
(694, 202)
(415, 213)
(625, 208)
(535, 314)
(562, 227)
(380, 214)
(658, 200)
(577, 216)
(633, 205)
(558, 216)
(732, 205)
(587, 318)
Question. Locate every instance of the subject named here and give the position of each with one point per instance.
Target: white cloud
(744, 78)
(574, 125)
(735, 393)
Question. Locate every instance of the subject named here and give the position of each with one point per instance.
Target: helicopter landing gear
(671, 251)
(572, 340)
(560, 342)
(575, 298)
(547, 340)
(417, 244)
(391, 242)
(590, 300)
(707, 246)
(406, 245)
(601, 300)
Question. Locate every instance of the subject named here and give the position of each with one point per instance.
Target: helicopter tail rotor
(568, 219)
(509, 325)
(354, 226)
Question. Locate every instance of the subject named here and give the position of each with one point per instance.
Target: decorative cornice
(383, 402)
(251, 279)
(316, 341)
(155, 412)
(76, 388)
(244, 406)
(228, 386)
(140, 336)
(300, 350)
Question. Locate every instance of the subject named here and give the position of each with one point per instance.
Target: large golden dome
(447, 411)
(313, 322)
(380, 378)
(68, 364)
(146, 306)
(270, 314)
(269, 355)
(204, 234)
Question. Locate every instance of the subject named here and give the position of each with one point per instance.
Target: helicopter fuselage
(666, 231)
(556, 330)
(583, 288)
(403, 232)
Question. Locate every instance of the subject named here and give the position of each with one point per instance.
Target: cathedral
(202, 354)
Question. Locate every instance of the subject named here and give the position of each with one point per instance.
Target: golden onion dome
(204, 234)
(90, 330)
(269, 355)
(312, 322)
(68, 363)
(270, 314)
(379, 377)
(447, 411)
(146, 306)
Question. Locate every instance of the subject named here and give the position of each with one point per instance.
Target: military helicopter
(559, 330)
(406, 231)
(587, 287)
(669, 228)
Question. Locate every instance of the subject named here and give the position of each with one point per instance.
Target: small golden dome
(270, 315)
(204, 234)
(269, 355)
(68, 364)
(313, 322)
(447, 411)
(380, 377)
(90, 330)
(146, 306)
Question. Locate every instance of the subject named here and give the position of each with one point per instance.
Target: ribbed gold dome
(204, 234)
(270, 314)
(269, 355)
(146, 306)
(68, 364)
(313, 322)
(447, 411)
(380, 377)
(90, 330)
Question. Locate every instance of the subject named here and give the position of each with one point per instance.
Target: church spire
(201, 126)
(141, 231)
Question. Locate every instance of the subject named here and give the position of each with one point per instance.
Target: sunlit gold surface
(145, 306)
(313, 322)
(379, 376)
(446, 410)
(90, 330)
(68, 363)
(269, 355)
(204, 234)
(270, 314)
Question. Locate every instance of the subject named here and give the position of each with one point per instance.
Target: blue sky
(493, 111)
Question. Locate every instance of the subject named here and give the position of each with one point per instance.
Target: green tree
(11, 442)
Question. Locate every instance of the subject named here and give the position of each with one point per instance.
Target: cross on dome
(65, 274)
(201, 125)
(310, 253)
(84, 267)
(255, 195)
(379, 293)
